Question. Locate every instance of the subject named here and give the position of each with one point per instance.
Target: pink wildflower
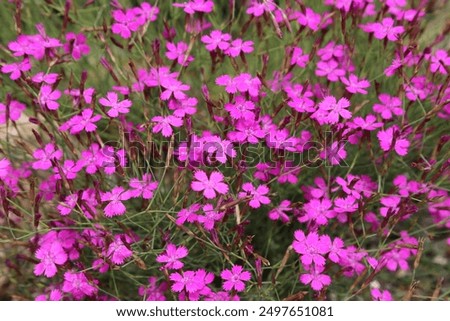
(210, 217)
(210, 185)
(386, 29)
(115, 198)
(311, 248)
(241, 108)
(439, 61)
(44, 156)
(316, 278)
(216, 39)
(48, 97)
(257, 195)
(329, 69)
(298, 58)
(388, 141)
(193, 6)
(116, 107)
(378, 295)
(239, 46)
(178, 52)
(187, 281)
(143, 188)
(389, 106)
(165, 124)
(15, 111)
(235, 278)
(50, 255)
(78, 285)
(117, 251)
(76, 45)
(172, 256)
(354, 85)
(16, 68)
(85, 121)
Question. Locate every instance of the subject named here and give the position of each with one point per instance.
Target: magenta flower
(386, 29)
(354, 85)
(187, 281)
(239, 46)
(330, 109)
(69, 168)
(235, 278)
(337, 250)
(318, 211)
(389, 106)
(279, 213)
(116, 107)
(316, 278)
(329, 69)
(165, 124)
(346, 204)
(241, 108)
(178, 52)
(257, 195)
(228, 82)
(15, 110)
(50, 255)
(125, 23)
(83, 122)
(154, 291)
(369, 123)
(173, 87)
(48, 97)
(41, 77)
(387, 141)
(78, 285)
(5, 167)
(16, 68)
(311, 248)
(309, 19)
(247, 130)
(143, 187)
(182, 108)
(298, 58)
(210, 186)
(216, 39)
(210, 217)
(66, 207)
(117, 251)
(115, 198)
(439, 61)
(44, 156)
(172, 256)
(257, 8)
(188, 214)
(76, 45)
(193, 6)
(378, 295)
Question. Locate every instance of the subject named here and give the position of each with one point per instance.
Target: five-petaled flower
(171, 257)
(234, 279)
(116, 107)
(211, 186)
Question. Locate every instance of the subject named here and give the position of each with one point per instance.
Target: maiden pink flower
(234, 279)
(241, 108)
(330, 109)
(115, 198)
(386, 29)
(257, 195)
(187, 281)
(172, 256)
(45, 155)
(83, 122)
(378, 295)
(116, 107)
(49, 79)
(439, 61)
(330, 69)
(239, 46)
(78, 285)
(311, 248)
(355, 85)
(388, 142)
(210, 186)
(16, 68)
(15, 110)
(318, 211)
(76, 45)
(210, 217)
(190, 7)
(50, 255)
(118, 251)
(165, 124)
(48, 97)
(298, 58)
(389, 106)
(278, 213)
(316, 278)
(5, 167)
(173, 87)
(177, 51)
(143, 187)
(216, 39)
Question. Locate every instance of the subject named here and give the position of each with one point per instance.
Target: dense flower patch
(224, 150)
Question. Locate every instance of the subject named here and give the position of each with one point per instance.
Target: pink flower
(115, 198)
(50, 255)
(153, 292)
(369, 123)
(5, 167)
(76, 45)
(44, 156)
(228, 82)
(210, 185)
(78, 285)
(216, 39)
(330, 109)
(184, 107)
(309, 19)
(337, 250)
(311, 248)
(48, 96)
(439, 60)
(15, 110)
(116, 107)
(210, 217)
(126, 22)
(16, 68)
(298, 58)
(178, 52)
(346, 204)
(173, 88)
(378, 295)
(117, 251)
(235, 278)
(86, 121)
(172, 256)
(354, 85)
(329, 69)
(165, 124)
(257, 195)
(47, 78)
(143, 188)
(239, 46)
(241, 108)
(193, 6)
(278, 213)
(387, 29)
(66, 207)
(257, 8)
(69, 168)
(389, 106)
(318, 211)
(387, 141)
(188, 214)
(187, 281)
(315, 278)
